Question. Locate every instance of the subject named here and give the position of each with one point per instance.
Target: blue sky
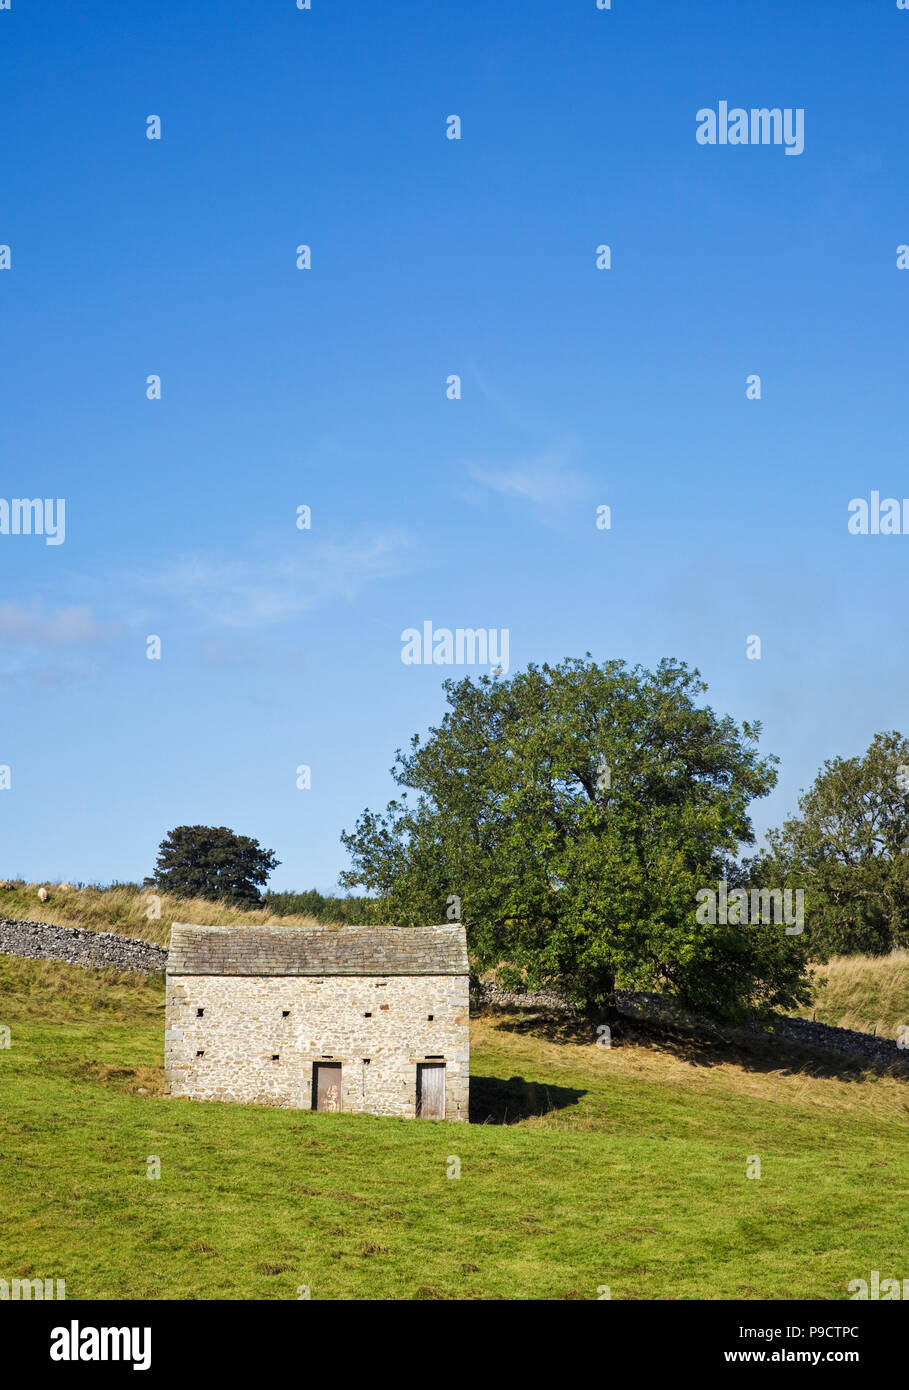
(326, 387)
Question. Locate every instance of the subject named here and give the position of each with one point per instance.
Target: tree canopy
(569, 815)
(204, 861)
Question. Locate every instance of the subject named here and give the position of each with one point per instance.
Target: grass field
(623, 1167)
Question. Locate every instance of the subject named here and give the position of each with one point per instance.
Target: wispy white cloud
(547, 483)
(240, 593)
(52, 647)
(30, 625)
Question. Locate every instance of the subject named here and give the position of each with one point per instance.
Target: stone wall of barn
(254, 1039)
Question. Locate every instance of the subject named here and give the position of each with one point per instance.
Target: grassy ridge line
(124, 910)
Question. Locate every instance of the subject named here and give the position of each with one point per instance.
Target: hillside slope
(623, 1167)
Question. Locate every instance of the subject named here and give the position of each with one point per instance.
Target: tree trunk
(601, 1006)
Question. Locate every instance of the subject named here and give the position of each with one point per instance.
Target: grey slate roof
(277, 950)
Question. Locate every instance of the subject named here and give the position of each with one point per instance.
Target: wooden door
(431, 1090)
(326, 1086)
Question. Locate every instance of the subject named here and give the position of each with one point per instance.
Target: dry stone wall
(818, 1037)
(44, 941)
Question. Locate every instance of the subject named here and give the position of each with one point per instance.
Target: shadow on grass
(760, 1052)
(494, 1101)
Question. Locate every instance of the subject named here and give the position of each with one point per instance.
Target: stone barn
(369, 1019)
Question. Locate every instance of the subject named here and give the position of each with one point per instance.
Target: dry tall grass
(126, 911)
(867, 993)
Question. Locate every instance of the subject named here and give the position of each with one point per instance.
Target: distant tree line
(350, 911)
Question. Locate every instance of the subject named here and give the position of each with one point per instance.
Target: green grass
(633, 1176)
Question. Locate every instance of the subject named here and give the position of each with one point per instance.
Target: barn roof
(277, 950)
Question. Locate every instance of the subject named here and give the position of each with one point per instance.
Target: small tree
(205, 861)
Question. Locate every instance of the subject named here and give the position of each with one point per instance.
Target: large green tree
(848, 848)
(210, 861)
(569, 815)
